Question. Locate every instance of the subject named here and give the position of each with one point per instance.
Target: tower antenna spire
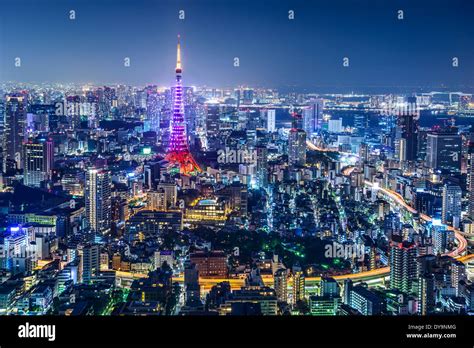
(178, 55)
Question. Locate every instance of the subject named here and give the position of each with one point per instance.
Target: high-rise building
(402, 264)
(38, 158)
(297, 147)
(178, 154)
(452, 204)
(171, 193)
(262, 165)
(299, 285)
(421, 146)
(458, 273)
(98, 200)
(153, 108)
(407, 133)
(281, 285)
(152, 172)
(443, 151)
(347, 291)
(442, 239)
(2, 120)
(470, 179)
(426, 294)
(361, 123)
(14, 123)
(313, 116)
(212, 120)
(364, 152)
(271, 123)
(89, 261)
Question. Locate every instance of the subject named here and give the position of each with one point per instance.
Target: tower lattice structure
(178, 154)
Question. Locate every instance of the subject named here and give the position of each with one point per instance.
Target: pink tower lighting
(178, 154)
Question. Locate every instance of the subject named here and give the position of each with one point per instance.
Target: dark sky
(273, 50)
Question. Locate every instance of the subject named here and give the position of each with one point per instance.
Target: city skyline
(307, 51)
(169, 197)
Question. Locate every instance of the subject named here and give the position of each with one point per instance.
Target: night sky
(306, 52)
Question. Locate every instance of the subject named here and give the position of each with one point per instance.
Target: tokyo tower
(178, 154)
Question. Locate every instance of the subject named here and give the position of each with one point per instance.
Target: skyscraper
(15, 118)
(426, 294)
(443, 151)
(98, 200)
(262, 165)
(153, 108)
(212, 120)
(313, 116)
(178, 152)
(271, 125)
(297, 147)
(37, 162)
(402, 264)
(458, 273)
(361, 123)
(407, 132)
(2, 120)
(452, 205)
(470, 179)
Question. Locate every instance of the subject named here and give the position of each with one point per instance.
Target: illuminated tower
(178, 152)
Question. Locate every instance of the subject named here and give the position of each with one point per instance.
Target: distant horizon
(318, 89)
